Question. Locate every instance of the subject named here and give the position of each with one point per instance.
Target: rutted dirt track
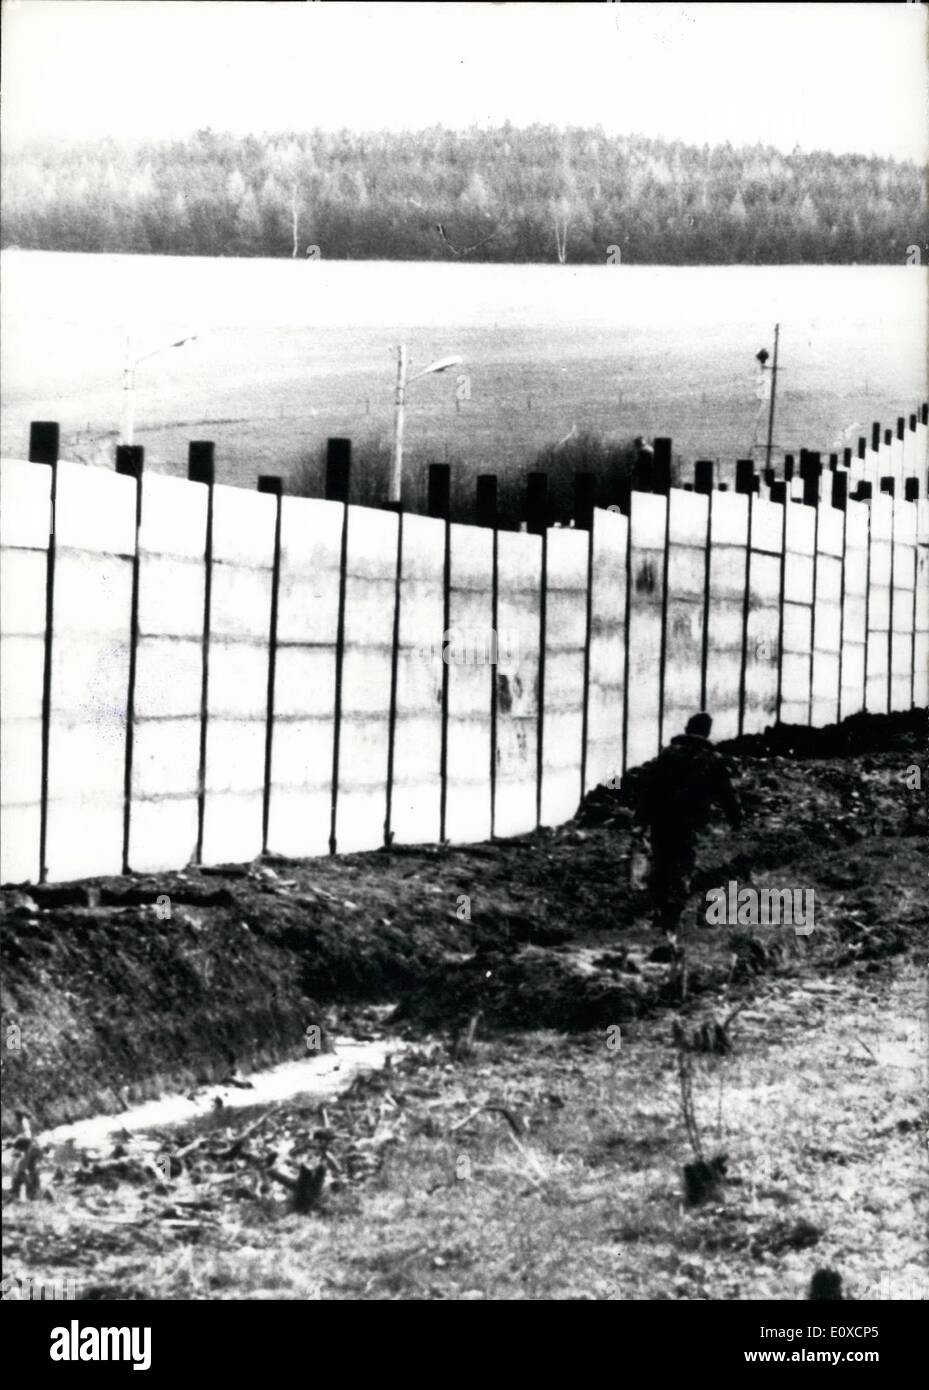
(532, 1160)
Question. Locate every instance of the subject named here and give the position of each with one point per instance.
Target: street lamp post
(129, 366)
(396, 470)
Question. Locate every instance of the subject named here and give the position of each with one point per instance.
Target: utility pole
(767, 457)
(396, 471)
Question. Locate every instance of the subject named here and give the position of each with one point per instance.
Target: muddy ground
(509, 964)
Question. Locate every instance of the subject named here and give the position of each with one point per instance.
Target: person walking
(677, 795)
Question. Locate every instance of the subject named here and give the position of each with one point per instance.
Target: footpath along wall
(196, 673)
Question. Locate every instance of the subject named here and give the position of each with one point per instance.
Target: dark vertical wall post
(661, 469)
(745, 476)
(130, 462)
(268, 483)
(811, 472)
(338, 469)
(536, 503)
(486, 499)
(584, 491)
(201, 469)
(439, 490)
(703, 476)
(43, 449)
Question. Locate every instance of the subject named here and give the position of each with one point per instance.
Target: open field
(537, 1162)
(288, 353)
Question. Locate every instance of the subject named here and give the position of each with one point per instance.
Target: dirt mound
(111, 997)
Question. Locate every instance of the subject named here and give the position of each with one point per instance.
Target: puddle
(319, 1078)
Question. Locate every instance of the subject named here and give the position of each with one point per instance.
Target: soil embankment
(123, 988)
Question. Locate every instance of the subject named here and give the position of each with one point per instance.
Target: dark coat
(678, 791)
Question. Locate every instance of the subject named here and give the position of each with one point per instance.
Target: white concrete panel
(852, 679)
(165, 759)
(93, 594)
(519, 573)
(243, 527)
(646, 569)
(470, 683)
(84, 839)
(687, 522)
(171, 596)
(795, 688)
(240, 603)
(232, 827)
(730, 518)
(607, 648)
(565, 633)
(767, 525)
(168, 678)
(162, 834)
(762, 661)
(416, 793)
(95, 510)
(173, 521)
(798, 578)
(235, 751)
(25, 504)
(370, 597)
(23, 575)
(830, 530)
(728, 561)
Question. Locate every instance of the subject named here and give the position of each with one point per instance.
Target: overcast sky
(842, 77)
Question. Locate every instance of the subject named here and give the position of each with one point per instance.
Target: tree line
(537, 194)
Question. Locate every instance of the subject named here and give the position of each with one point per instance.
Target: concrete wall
(519, 595)
(687, 537)
(854, 609)
(903, 604)
(797, 643)
(95, 540)
(606, 688)
(25, 526)
(367, 662)
(566, 559)
(827, 616)
(237, 680)
(469, 677)
(417, 791)
(880, 556)
(801, 613)
(762, 647)
(164, 814)
(728, 566)
(647, 530)
(300, 805)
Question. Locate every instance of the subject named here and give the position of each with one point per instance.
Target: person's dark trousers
(673, 863)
